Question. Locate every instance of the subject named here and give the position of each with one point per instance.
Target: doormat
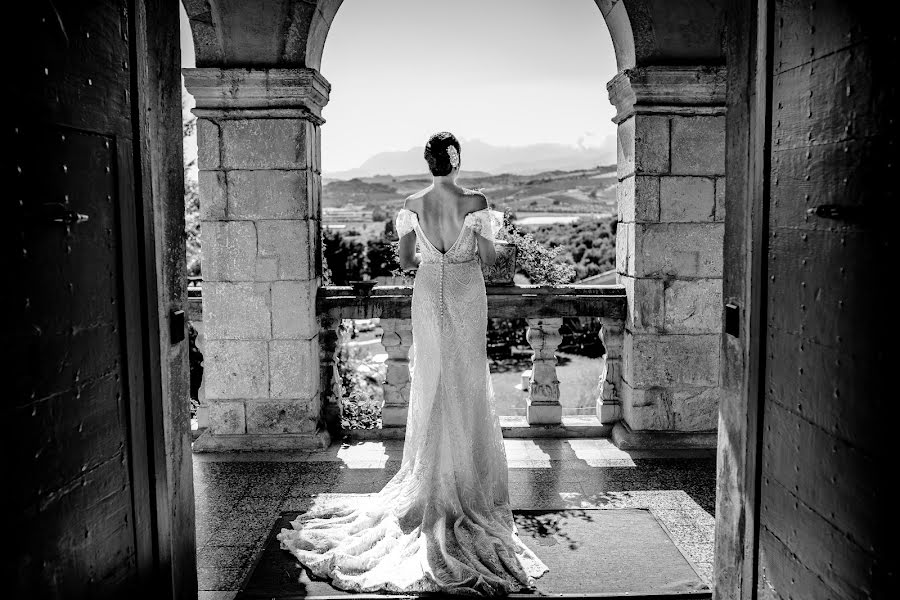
(591, 553)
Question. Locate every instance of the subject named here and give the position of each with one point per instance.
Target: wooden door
(827, 413)
(85, 521)
(808, 411)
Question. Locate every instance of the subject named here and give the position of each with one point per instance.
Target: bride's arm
(486, 250)
(406, 251)
(409, 258)
(485, 244)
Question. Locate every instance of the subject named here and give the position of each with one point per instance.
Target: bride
(443, 523)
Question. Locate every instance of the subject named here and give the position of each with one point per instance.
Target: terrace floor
(238, 496)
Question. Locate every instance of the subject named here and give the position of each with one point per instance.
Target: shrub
(536, 261)
(361, 377)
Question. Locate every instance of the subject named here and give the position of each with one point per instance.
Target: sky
(507, 72)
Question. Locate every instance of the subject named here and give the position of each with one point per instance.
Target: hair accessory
(454, 156)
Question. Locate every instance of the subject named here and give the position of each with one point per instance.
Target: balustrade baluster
(609, 403)
(543, 407)
(330, 381)
(397, 340)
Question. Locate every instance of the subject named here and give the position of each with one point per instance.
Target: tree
(345, 257)
(589, 245)
(381, 257)
(191, 197)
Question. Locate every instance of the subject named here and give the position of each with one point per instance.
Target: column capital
(241, 93)
(685, 90)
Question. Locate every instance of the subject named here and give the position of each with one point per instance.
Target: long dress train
(443, 522)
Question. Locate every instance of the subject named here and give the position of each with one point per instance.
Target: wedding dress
(443, 522)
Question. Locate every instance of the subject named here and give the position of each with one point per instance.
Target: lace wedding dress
(443, 523)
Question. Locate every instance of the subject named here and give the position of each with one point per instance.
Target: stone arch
(619, 24)
(292, 33)
(665, 32)
(614, 12)
(207, 47)
(318, 31)
(284, 33)
(644, 32)
(259, 99)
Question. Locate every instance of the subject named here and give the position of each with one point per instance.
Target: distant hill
(579, 191)
(481, 156)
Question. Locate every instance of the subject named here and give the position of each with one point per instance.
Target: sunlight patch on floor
(600, 453)
(363, 455)
(526, 454)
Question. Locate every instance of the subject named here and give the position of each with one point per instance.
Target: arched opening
(523, 86)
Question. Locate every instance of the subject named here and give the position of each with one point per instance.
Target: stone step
(572, 426)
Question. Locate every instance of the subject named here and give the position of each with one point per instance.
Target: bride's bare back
(442, 211)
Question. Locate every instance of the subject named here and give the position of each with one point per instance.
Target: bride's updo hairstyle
(437, 156)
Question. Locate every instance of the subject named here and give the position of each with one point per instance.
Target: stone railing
(543, 308)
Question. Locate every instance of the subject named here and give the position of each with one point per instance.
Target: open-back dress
(443, 522)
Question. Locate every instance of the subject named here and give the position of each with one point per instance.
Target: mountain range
(487, 158)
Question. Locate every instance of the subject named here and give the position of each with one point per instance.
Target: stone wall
(260, 182)
(671, 166)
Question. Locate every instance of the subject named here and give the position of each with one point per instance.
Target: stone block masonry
(235, 370)
(687, 199)
(669, 244)
(260, 183)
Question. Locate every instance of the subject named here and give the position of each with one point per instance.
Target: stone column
(609, 404)
(329, 380)
(542, 406)
(259, 160)
(397, 340)
(671, 167)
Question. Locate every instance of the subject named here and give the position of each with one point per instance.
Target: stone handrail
(393, 302)
(543, 307)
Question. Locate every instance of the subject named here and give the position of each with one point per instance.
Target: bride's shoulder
(413, 202)
(473, 200)
(407, 216)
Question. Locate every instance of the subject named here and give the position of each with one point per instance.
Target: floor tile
(238, 496)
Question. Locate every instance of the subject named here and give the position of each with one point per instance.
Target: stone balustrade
(543, 307)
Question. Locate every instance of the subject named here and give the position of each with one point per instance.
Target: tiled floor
(239, 496)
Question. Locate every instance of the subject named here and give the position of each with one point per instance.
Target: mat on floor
(601, 553)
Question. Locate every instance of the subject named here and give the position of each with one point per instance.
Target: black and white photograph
(452, 298)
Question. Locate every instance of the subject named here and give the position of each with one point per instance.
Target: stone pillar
(671, 166)
(260, 182)
(543, 407)
(329, 379)
(397, 340)
(609, 404)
